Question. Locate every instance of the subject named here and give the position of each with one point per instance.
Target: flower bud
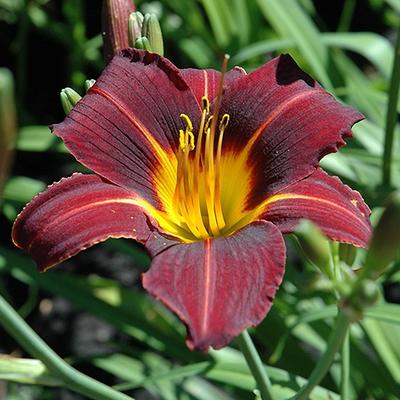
(143, 43)
(135, 24)
(151, 30)
(69, 98)
(8, 123)
(314, 244)
(89, 83)
(115, 17)
(365, 295)
(385, 242)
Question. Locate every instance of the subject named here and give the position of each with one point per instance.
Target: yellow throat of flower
(210, 186)
(198, 183)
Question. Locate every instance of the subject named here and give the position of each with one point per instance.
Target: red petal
(286, 120)
(204, 82)
(128, 124)
(340, 212)
(220, 286)
(74, 214)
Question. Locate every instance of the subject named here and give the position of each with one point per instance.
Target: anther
(205, 104)
(188, 122)
(191, 141)
(208, 124)
(182, 143)
(186, 140)
(224, 122)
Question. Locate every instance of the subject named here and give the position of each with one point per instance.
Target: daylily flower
(206, 177)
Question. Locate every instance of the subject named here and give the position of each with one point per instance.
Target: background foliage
(92, 309)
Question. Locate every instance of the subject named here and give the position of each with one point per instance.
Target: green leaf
(339, 164)
(291, 22)
(26, 371)
(146, 321)
(360, 90)
(197, 50)
(229, 368)
(395, 4)
(39, 138)
(261, 48)
(377, 332)
(22, 189)
(375, 48)
(242, 20)
(384, 312)
(122, 366)
(219, 21)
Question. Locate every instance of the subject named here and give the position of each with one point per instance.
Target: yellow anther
(199, 192)
(182, 142)
(208, 124)
(224, 122)
(188, 121)
(191, 141)
(205, 104)
(186, 140)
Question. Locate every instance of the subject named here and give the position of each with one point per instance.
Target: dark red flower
(207, 186)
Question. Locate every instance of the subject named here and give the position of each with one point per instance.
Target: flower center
(206, 196)
(197, 196)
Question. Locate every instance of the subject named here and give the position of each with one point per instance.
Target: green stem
(335, 341)
(345, 368)
(35, 346)
(391, 115)
(255, 365)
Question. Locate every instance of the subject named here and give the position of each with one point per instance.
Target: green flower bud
(143, 43)
(115, 17)
(385, 243)
(314, 245)
(365, 295)
(8, 124)
(135, 24)
(347, 253)
(152, 30)
(89, 83)
(69, 98)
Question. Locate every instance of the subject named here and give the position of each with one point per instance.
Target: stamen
(205, 104)
(224, 122)
(196, 170)
(210, 167)
(220, 93)
(186, 140)
(218, 205)
(188, 121)
(199, 178)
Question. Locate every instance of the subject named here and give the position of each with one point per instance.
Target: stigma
(197, 196)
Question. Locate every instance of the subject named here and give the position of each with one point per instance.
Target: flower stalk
(338, 335)
(34, 345)
(391, 115)
(255, 365)
(345, 367)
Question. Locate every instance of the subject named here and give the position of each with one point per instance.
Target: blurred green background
(92, 308)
